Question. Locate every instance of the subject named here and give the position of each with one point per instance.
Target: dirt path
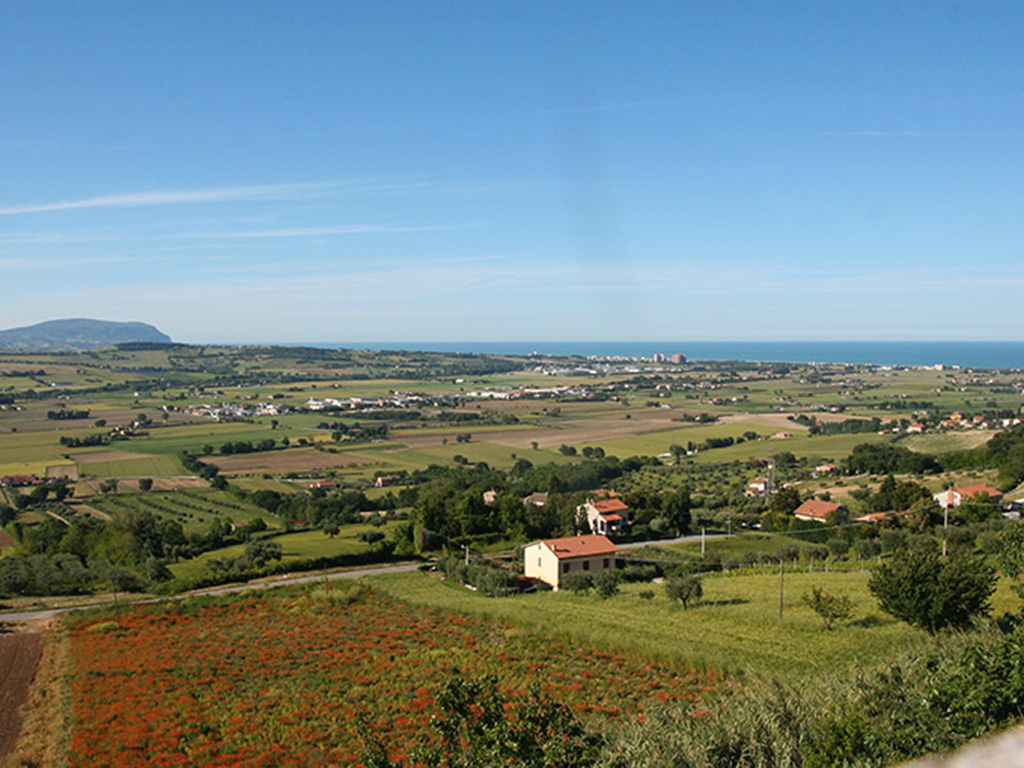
(20, 652)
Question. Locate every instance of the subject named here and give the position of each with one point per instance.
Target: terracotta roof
(815, 509)
(611, 518)
(966, 491)
(610, 505)
(580, 546)
(872, 517)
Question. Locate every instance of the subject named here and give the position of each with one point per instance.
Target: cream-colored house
(550, 559)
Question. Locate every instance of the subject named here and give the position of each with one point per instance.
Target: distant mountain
(78, 334)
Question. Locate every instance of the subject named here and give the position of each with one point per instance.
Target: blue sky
(387, 171)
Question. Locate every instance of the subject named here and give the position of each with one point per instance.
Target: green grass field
(295, 546)
(150, 466)
(801, 445)
(192, 437)
(737, 628)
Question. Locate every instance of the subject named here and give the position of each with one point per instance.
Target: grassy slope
(737, 629)
(295, 546)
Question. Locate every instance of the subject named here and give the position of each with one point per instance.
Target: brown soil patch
(6, 540)
(20, 652)
(87, 489)
(69, 471)
(779, 421)
(279, 462)
(569, 431)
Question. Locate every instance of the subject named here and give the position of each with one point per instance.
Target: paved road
(693, 537)
(284, 581)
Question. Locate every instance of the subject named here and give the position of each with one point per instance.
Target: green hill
(78, 334)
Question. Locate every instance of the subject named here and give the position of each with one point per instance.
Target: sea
(965, 354)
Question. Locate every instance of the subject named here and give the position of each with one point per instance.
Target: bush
(577, 582)
(831, 608)
(638, 573)
(606, 584)
(927, 591)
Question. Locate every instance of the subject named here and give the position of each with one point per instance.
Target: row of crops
(195, 510)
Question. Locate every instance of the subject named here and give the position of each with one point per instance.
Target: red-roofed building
(954, 497)
(604, 516)
(549, 560)
(817, 511)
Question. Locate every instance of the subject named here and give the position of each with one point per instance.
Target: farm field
(735, 629)
(195, 510)
(117, 463)
(292, 678)
(302, 545)
(300, 460)
(947, 442)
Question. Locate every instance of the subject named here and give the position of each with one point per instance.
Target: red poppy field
(292, 680)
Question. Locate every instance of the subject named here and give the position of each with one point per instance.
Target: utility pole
(945, 525)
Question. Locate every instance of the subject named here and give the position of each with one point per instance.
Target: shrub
(606, 584)
(932, 593)
(577, 582)
(831, 608)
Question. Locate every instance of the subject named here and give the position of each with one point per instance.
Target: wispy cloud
(928, 134)
(57, 238)
(353, 229)
(179, 197)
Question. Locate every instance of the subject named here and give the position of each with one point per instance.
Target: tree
(1011, 555)
(867, 548)
(370, 537)
(676, 507)
(146, 484)
(831, 608)
(838, 547)
(258, 553)
(786, 501)
(930, 592)
(330, 528)
(686, 589)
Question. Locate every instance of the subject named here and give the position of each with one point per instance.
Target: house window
(565, 567)
(538, 562)
(605, 563)
(586, 565)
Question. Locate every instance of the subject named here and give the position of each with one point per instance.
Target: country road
(284, 581)
(305, 578)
